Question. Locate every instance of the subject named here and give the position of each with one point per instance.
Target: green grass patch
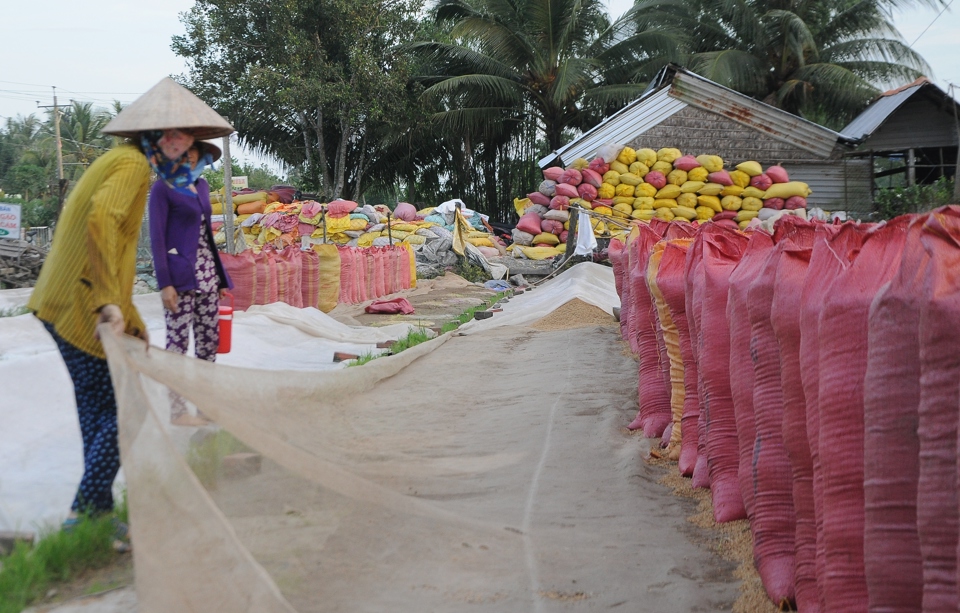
(206, 457)
(58, 556)
(14, 311)
(420, 335)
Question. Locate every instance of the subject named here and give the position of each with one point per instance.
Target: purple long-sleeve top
(175, 226)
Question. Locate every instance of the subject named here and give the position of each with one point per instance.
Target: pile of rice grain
(574, 314)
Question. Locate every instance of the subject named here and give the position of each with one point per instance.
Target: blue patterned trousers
(97, 411)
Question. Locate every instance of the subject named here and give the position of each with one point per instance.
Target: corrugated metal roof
(686, 88)
(874, 115)
(781, 125)
(632, 120)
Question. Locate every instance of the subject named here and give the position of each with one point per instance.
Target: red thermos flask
(226, 325)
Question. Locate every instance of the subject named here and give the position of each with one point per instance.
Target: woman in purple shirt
(189, 272)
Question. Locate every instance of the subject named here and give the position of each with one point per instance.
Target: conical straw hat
(166, 106)
(209, 146)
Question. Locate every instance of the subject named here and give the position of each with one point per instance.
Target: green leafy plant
(913, 199)
(470, 271)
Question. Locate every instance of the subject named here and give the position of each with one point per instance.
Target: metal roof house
(684, 110)
(915, 128)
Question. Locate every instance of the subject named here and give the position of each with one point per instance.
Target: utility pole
(228, 194)
(61, 182)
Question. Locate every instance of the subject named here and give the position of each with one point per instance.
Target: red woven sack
(774, 520)
(619, 257)
(254, 277)
(653, 394)
(891, 445)
(937, 513)
(721, 253)
(742, 375)
(796, 248)
(289, 276)
(529, 223)
(693, 271)
(843, 333)
(833, 248)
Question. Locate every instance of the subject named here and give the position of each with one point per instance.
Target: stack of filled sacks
(669, 185)
(443, 218)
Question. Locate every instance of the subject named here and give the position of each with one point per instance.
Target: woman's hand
(169, 297)
(223, 292)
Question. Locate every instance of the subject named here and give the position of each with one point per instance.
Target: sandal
(121, 536)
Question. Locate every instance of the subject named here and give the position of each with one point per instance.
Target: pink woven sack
(721, 253)
(891, 446)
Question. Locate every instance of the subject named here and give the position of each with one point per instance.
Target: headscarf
(175, 173)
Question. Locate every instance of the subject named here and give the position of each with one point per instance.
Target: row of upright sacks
(811, 379)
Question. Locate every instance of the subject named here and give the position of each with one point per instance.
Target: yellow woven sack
(750, 168)
(602, 210)
(704, 213)
(711, 202)
(627, 156)
(669, 191)
(685, 212)
(580, 163)
(731, 190)
(744, 224)
(751, 204)
(691, 187)
(643, 214)
(537, 253)
(687, 200)
(360, 224)
(788, 190)
(643, 203)
(739, 178)
(397, 235)
(566, 225)
(677, 177)
(751, 192)
(664, 203)
(606, 190)
(366, 239)
(545, 237)
(620, 167)
(645, 189)
(415, 239)
(581, 203)
(697, 174)
(622, 210)
(647, 157)
(475, 234)
(520, 205)
(731, 203)
(630, 179)
(600, 229)
(639, 168)
(479, 241)
(664, 213)
(337, 224)
(746, 215)
(612, 177)
(624, 200)
(664, 167)
(713, 163)
(668, 155)
(240, 219)
(403, 227)
(711, 189)
(427, 211)
(624, 189)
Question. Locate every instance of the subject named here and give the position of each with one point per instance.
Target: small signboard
(239, 182)
(9, 220)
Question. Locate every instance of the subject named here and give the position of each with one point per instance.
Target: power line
(931, 23)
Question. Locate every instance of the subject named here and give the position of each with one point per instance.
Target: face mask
(175, 173)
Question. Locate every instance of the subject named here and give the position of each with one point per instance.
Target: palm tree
(820, 59)
(555, 64)
(80, 133)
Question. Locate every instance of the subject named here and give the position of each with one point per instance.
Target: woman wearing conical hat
(87, 278)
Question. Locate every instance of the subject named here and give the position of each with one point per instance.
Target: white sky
(101, 50)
